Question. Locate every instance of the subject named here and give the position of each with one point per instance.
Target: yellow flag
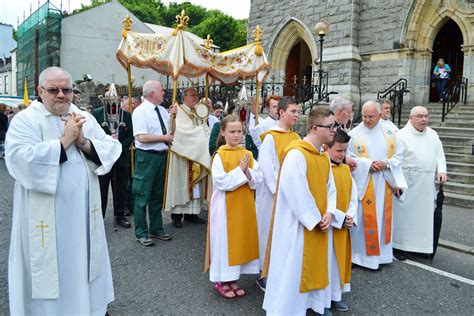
(26, 101)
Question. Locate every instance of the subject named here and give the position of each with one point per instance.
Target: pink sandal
(224, 289)
(237, 289)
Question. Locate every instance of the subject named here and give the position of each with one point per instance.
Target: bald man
(379, 157)
(424, 164)
(152, 138)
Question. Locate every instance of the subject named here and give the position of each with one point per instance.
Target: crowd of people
(295, 212)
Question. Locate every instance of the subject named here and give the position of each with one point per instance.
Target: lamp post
(321, 29)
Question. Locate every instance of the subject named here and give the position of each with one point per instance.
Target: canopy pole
(173, 101)
(130, 108)
(206, 91)
(257, 92)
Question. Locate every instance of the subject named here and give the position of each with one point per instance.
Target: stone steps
(461, 177)
(464, 158)
(454, 131)
(460, 200)
(456, 140)
(455, 149)
(460, 167)
(457, 124)
(459, 188)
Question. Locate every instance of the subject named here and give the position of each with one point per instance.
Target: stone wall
(381, 24)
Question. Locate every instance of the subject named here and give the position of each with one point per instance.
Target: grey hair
(338, 103)
(415, 108)
(51, 72)
(386, 101)
(378, 106)
(185, 90)
(149, 87)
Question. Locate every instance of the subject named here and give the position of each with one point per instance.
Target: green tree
(226, 31)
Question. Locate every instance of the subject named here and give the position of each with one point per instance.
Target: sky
(12, 10)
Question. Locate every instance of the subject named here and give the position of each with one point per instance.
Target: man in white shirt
(152, 138)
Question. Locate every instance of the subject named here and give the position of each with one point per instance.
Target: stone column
(468, 70)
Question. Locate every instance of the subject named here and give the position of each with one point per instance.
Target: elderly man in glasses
(424, 164)
(379, 156)
(189, 164)
(58, 263)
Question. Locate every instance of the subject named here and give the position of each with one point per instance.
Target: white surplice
(377, 149)
(335, 280)
(269, 165)
(253, 130)
(389, 124)
(413, 214)
(295, 210)
(75, 277)
(263, 126)
(222, 182)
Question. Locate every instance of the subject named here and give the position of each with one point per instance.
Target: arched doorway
(447, 45)
(298, 65)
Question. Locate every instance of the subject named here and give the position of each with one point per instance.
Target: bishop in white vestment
(379, 157)
(423, 164)
(189, 163)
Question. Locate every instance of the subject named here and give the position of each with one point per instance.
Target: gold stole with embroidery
(368, 201)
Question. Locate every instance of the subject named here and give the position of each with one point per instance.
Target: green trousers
(147, 187)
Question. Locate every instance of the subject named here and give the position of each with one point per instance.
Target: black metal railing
(455, 92)
(305, 91)
(395, 94)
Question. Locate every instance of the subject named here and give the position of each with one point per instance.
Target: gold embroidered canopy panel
(180, 55)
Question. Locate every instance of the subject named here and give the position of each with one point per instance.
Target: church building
(370, 44)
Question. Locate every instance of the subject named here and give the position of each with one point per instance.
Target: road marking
(441, 272)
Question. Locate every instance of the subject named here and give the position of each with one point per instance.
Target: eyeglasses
(329, 127)
(420, 116)
(56, 91)
(191, 95)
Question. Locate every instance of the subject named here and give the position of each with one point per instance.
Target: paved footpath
(168, 278)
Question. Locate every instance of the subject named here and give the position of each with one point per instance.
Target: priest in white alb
(189, 164)
(59, 262)
(378, 177)
(423, 164)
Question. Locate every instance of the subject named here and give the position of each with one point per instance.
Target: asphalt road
(168, 278)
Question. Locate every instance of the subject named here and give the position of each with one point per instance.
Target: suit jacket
(125, 133)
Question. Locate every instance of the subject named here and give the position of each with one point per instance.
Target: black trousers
(116, 177)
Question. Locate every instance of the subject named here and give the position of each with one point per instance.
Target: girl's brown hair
(226, 120)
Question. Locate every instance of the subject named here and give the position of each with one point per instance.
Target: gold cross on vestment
(42, 227)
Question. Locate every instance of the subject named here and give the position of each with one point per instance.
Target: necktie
(163, 127)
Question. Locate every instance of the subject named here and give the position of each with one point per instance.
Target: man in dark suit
(117, 123)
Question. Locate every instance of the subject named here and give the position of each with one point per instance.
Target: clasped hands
(244, 165)
(378, 165)
(325, 222)
(73, 130)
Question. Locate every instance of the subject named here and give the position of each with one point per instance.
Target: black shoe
(128, 212)
(177, 224)
(122, 222)
(164, 237)
(262, 283)
(400, 255)
(195, 219)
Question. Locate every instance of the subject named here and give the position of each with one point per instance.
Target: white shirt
(145, 121)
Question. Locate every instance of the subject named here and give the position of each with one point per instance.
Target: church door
(447, 45)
